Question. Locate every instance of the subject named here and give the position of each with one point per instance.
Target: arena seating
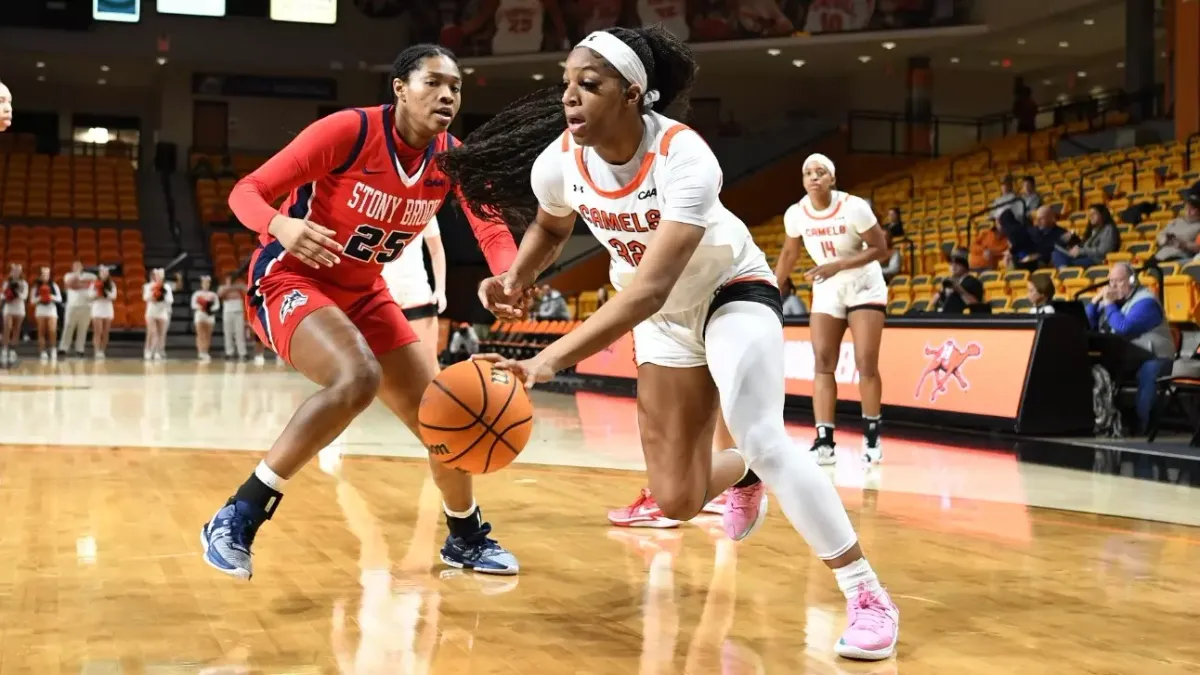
(57, 247)
(215, 176)
(67, 187)
(230, 251)
(523, 339)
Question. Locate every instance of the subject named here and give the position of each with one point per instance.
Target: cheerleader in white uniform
(16, 292)
(103, 292)
(232, 294)
(204, 313)
(409, 284)
(158, 296)
(46, 298)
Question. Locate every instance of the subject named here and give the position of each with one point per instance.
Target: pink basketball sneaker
(745, 510)
(643, 512)
(874, 627)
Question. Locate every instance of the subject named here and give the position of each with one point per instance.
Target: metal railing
(1101, 169)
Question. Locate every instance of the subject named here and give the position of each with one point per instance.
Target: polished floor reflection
(108, 470)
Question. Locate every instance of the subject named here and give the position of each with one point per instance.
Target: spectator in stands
(1177, 241)
(1025, 111)
(552, 306)
(463, 343)
(989, 248)
(1008, 201)
(894, 262)
(1099, 239)
(79, 309)
(601, 296)
(961, 289)
(895, 224)
(6, 109)
(792, 304)
(1029, 194)
(1129, 310)
(1044, 237)
(1040, 291)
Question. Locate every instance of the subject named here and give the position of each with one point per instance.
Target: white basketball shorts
(841, 294)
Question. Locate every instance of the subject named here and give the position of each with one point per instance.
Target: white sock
(269, 477)
(855, 575)
(460, 514)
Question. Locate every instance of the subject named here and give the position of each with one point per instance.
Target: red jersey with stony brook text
(357, 177)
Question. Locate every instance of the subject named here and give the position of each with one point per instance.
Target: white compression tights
(744, 346)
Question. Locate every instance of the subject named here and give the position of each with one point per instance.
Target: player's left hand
(822, 272)
(531, 371)
(440, 299)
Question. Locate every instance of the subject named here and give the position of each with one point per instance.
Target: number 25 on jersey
(371, 244)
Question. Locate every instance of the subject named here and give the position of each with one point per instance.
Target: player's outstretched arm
(663, 263)
(540, 247)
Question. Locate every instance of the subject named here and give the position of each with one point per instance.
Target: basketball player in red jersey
(362, 183)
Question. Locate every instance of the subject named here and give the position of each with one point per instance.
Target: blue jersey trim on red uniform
(358, 144)
(266, 255)
(301, 207)
(430, 150)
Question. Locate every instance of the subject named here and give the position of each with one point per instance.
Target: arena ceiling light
(41, 64)
(954, 59)
(162, 60)
(538, 76)
(996, 63)
(468, 70)
(1064, 44)
(889, 45)
(773, 51)
(1120, 64)
(1047, 81)
(1089, 22)
(1020, 41)
(1081, 74)
(799, 63)
(102, 82)
(864, 58)
(104, 69)
(41, 78)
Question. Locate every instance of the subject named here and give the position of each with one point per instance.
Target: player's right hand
(502, 296)
(309, 242)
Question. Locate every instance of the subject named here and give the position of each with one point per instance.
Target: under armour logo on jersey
(576, 188)
(291, 302)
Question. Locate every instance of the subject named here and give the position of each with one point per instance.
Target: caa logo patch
(291, 302)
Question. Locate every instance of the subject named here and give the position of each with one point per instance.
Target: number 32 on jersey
(371, 244)
(630, 252)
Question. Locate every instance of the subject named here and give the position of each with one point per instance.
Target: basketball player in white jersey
(517, 24)
(843, 237)
(694, 288)
(6, 108)
(833, 16)
(593, 15)
(409, 284)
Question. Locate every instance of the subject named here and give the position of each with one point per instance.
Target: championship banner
(974, 371)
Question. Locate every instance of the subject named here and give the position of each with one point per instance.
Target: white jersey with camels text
(835, 232)
(673, 176)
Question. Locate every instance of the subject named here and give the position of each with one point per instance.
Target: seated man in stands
(1008, 201)
(989, 248)
(1177, 241)
(552, 306)
(792, 304)
(960, 290)
(1043, 238)
(893, 264)
(1127, 309)
(1029, 195)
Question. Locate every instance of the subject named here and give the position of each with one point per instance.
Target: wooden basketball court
(107, 472)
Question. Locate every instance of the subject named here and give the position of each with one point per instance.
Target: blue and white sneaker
(228, 536)
(479, 553)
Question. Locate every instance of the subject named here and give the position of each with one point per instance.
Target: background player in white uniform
(408, 282)
(158, 296)
(46, 298)
(103, 292)
(16, 292)
(695, 290)
(843, 237)
(205, 304)
(232, 294)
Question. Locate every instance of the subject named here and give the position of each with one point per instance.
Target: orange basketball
(475, 418)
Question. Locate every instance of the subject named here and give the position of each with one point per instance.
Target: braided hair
(492, 167)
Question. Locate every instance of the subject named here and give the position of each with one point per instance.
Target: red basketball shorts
(280, 299)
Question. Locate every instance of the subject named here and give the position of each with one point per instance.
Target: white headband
(624, 59)
(821, 160)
